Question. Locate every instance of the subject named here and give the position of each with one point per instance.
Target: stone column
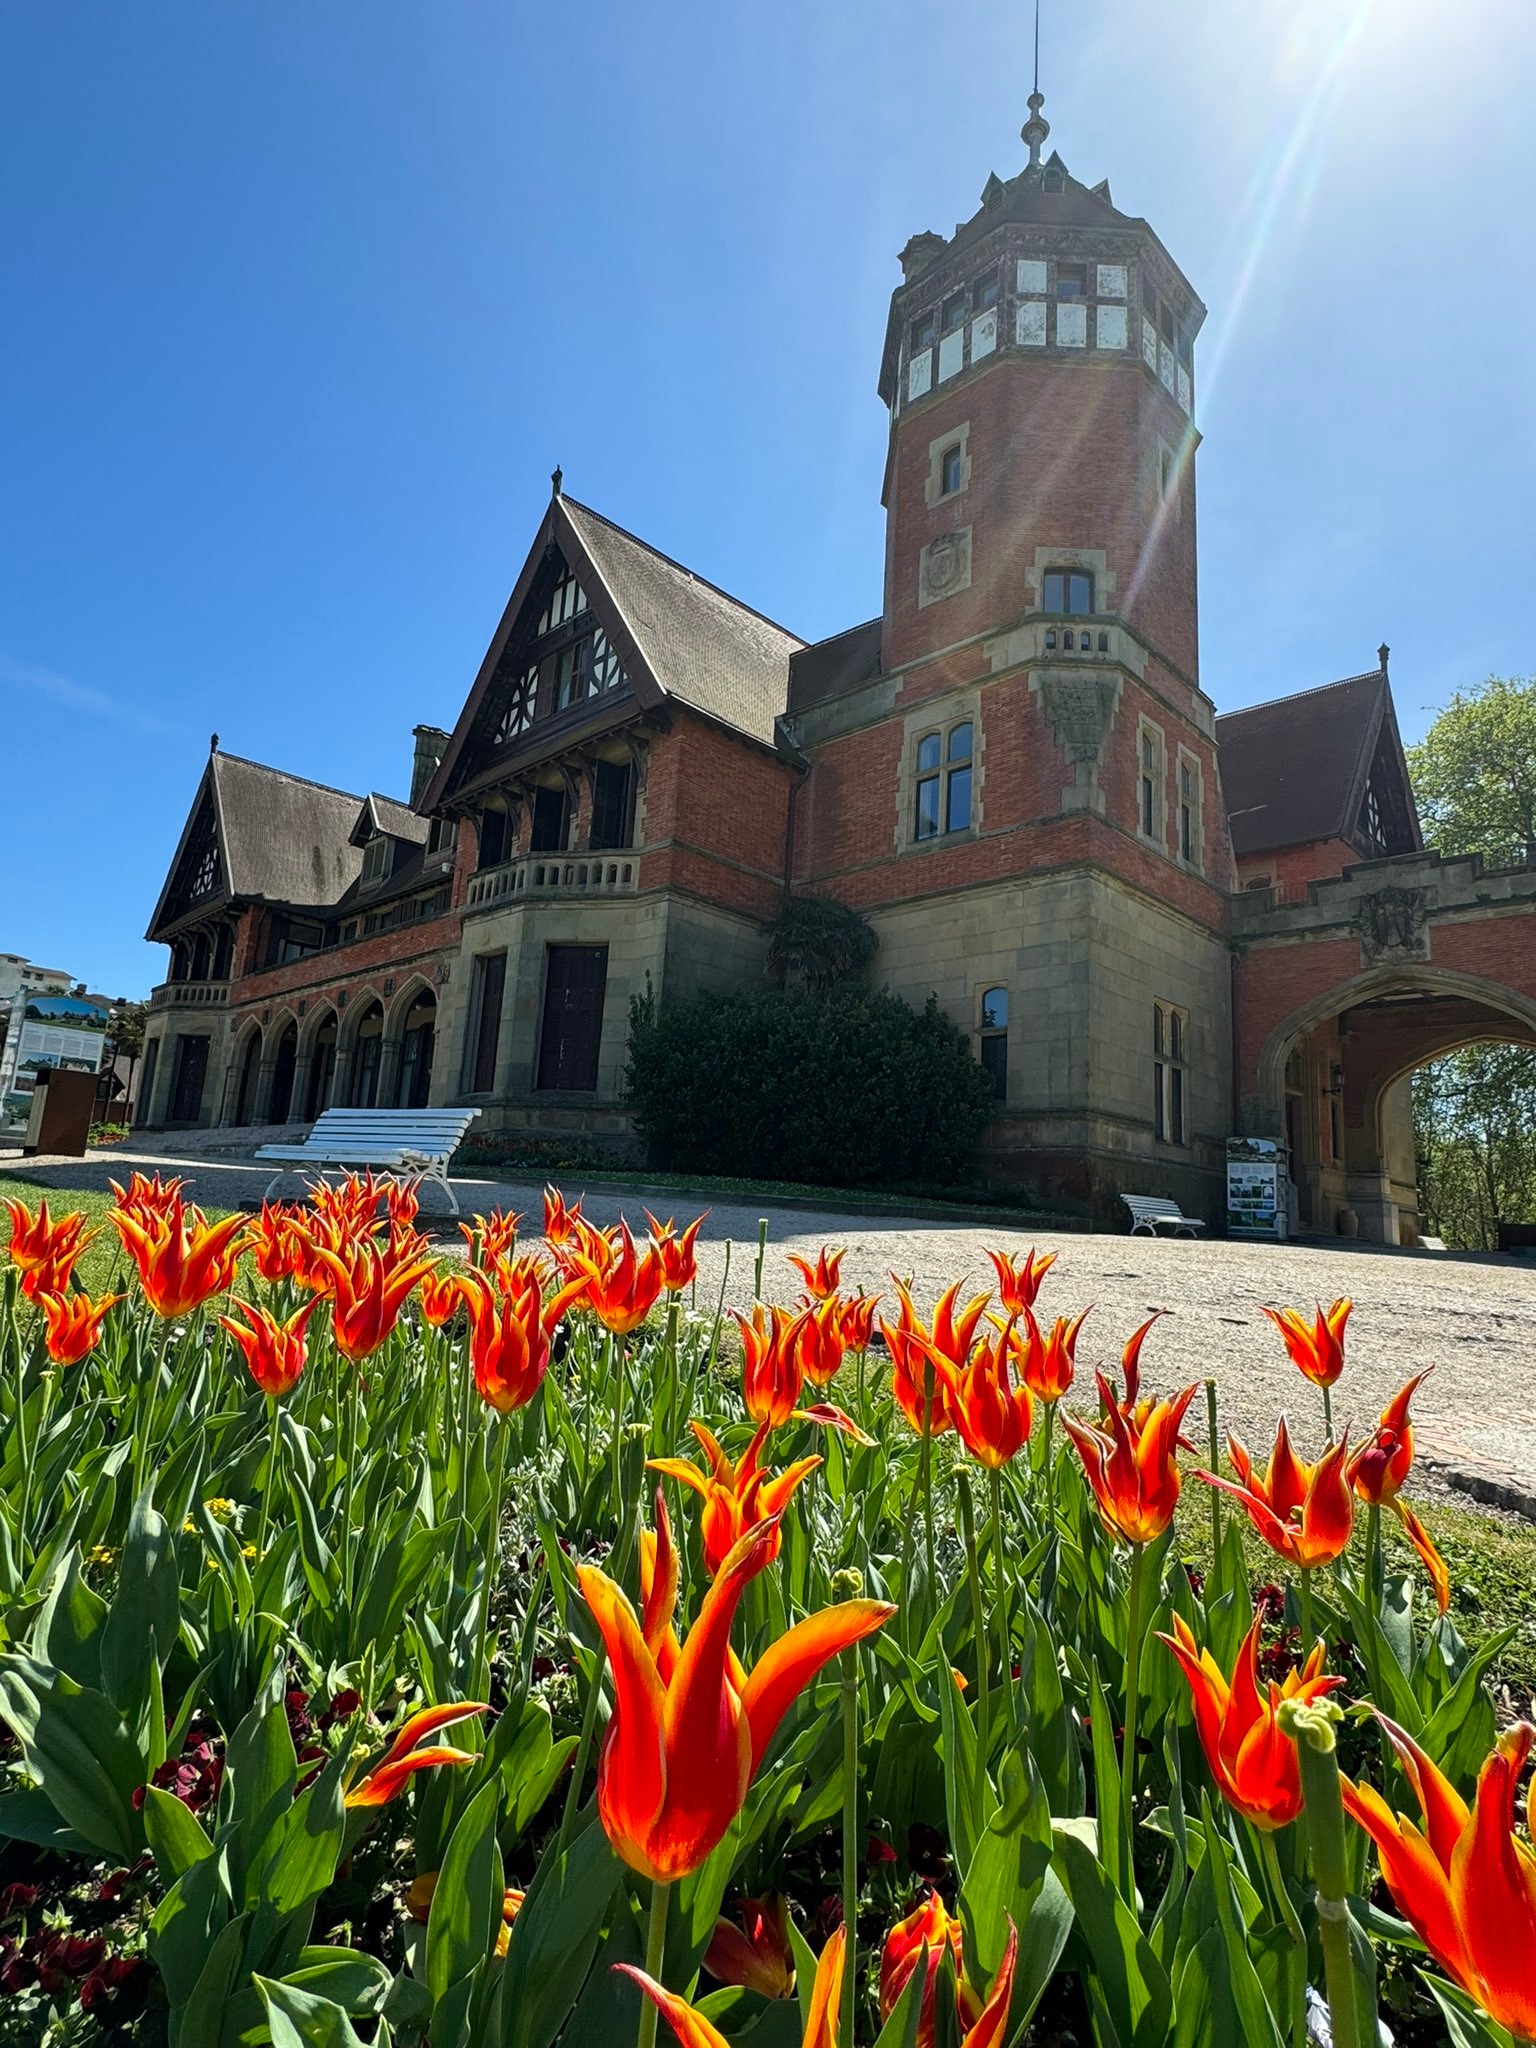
(266, 1067)
(387, 1084)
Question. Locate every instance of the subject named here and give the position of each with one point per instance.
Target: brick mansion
(1159, 924)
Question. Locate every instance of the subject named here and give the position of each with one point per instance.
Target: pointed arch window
(566, 601)
(521, 706)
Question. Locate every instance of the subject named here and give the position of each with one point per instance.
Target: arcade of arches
(373, 1054)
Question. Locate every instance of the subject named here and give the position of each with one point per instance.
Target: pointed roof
(680, 639)
(388, 815)
(280, 839)
(1295, 770)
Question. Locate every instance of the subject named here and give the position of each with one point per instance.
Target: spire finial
(556, 478)
(1036, 128)
(213, 743)
(1383, 653)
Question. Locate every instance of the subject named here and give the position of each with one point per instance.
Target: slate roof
(388, 814)
(702, 647)
(1294, 770)
(829, 667)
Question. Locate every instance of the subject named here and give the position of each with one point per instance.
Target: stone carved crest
(1079, 708)
(1394, 921)
(944, 567)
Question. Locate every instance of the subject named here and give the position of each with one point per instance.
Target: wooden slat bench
(1151, 1212)
(413, 1141)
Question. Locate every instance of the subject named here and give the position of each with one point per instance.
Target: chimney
(919, 253)
(431, 745)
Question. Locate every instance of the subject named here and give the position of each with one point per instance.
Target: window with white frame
(378, 858)
(1190, 832)
(1170, 1033)
(942, 785)
(1149, 784)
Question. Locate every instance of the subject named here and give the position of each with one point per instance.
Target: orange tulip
(560, 1218)
(403, 1759)
(1018, 1280)
(736, 1497)
(821, 1278)
(621, 1289)
(277, 1254)
(1252, 1760)
(274, 1351)
(40, 1240)
(54, 1275)
(679, 1259)
(1429, 1557)
(147, 1196)
(1047, 1363)
(920, 1354)
(1130, 1365)
(1132, 1465)
(756, 1955)
(688, 1729)
(857, 1315)
(441, 1295)
(181, 1257)
(771, 1373)
(349, 1207)
(510, 1331)
(821, 1343)
(492, 1237)
(1379, 1468)
(695, 2031)
(369, 1289)
(1465, 1883)
(1304, 1512)
(930, 1926)
(992, 1413)
(402, 1202)
(1316, 1349)
(74, 1324)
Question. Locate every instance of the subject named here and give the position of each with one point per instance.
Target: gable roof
(680, 639)
(1295, 770)
(388, 815)
(281, 838)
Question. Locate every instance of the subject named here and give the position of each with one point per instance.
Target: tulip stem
(1000, 1566)
(1311, 1726)
(271, 1486)
(655, 1952)
(1294, 1929)
(665, 1408)
(1308, 1633)
(762, 1253)
(850, 1836)
(583, 1751)
(613, 1367)
(1049, 1463)
(1132, 1707)
(1375, 1576)
(925, 1472)
(492, 1559)
(20, 1420)
(1214, 1491)
(983, 1646)
(1328, 1412)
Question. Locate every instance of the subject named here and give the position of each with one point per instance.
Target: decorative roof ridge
(1370, 675)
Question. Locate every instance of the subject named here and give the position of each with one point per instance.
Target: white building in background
(43, 1025)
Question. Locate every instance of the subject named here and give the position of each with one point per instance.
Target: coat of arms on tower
(1394, 921)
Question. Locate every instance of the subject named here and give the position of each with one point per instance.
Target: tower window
(1170, 1028)
(943, 782)
(1189, 811)
(954, 312)
(924, 332)
(1071, 280)
(1149, 786)
(925, 824)
(951, 469)
(994, 1038)
(1069, 591)
(957, 792)
(984, 292)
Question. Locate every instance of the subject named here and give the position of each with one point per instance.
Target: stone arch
(279, 1062)
(245, 1072)
(319, 1037)
(359, 1051)
(396, 1009)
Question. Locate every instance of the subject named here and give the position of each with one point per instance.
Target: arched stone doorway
(367, 1051)
(322, 1066)
(418, 1034)
(1334, 1080)
(249, 1073)
(284, 1057)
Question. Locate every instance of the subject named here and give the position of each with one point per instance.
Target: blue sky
(305, 301)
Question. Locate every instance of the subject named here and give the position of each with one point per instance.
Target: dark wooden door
(574, 984)
(187, 1087)
(416, 1066)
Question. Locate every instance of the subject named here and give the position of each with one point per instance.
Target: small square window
(924, 332)
(984, 292)
(951, 470)
(1069, 592)
(954, 312)
(1072, 280)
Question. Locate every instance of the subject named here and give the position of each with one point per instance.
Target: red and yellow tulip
(399, 1763)
(274, 1244)
(821, 1342)
(274, 1352)
(1252, 1759)
(509, 1331)
(920, 1352)
(147, 1196)
(1379, 1469)
(821, 1274)
(737, 1497)
(560, 1218)
(857, 1316)
(1046, 1363)
(932, 1928)
(695, 2031)
(369, 1287)
(621, 1286)
(756, 1953)
(441, 1295)
(1132, 1463)
(74, 1323)
(1305, 1513)
(1018, 1280)
(771, 1373)
(992, 1412)
(688, 1728)
(1464, 1881)
(1316, 1348)
(182, 1259)
(40, 1240)
(678, 1255)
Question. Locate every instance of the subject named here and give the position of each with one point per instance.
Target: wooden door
(576, 978)
(187, 1086)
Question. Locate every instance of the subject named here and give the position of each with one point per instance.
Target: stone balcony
(546, 875)
(189, 995)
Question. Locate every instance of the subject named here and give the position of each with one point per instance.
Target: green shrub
(850, 1087)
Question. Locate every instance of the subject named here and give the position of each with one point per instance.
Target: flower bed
(398, 1650)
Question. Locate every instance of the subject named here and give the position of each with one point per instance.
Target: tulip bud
(847, 1584)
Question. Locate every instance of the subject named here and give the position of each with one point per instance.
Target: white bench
(1149, 1212)
(416, 1141)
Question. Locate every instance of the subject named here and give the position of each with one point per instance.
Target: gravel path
(1471, 1316)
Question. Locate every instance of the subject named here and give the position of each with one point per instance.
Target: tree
(1474, 774)
(820, 943)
